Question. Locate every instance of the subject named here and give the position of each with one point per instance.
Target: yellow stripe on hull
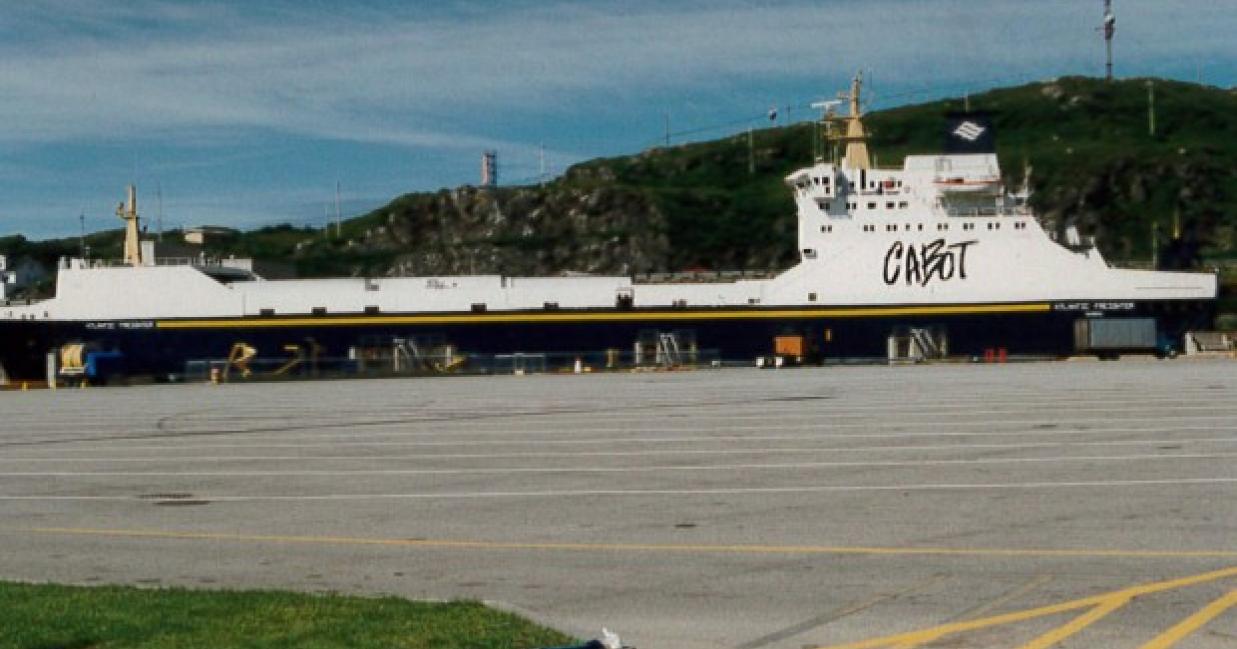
(602, 316)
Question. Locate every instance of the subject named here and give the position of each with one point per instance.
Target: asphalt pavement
(1072, 504)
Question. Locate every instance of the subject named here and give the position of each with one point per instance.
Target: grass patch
(111, 617)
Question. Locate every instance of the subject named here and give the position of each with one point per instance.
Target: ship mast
(856, 137)
(127, 212)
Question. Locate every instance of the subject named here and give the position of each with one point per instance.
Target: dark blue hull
(161, 348)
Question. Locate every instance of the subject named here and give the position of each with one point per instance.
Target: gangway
(668, 353)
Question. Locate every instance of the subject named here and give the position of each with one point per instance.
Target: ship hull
(166, 347)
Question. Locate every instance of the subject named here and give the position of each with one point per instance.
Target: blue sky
(247, 113)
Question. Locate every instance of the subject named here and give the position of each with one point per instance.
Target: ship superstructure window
(550, 306)
(903, 205)
(266, 312)
(679, 304)
(371, 310)
(889, 205)
(478, 307)
(826, 228)
(318, 310)
(871, 206)
(809, 253)
(811, 297)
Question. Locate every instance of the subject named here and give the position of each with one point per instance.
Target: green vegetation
(713, 205)
(114, 617)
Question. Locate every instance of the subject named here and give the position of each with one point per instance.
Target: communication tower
(1109, 27)
(489, 168)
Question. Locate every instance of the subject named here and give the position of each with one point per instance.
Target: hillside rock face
(522, 231)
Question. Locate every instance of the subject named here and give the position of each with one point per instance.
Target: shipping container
(1115, 335)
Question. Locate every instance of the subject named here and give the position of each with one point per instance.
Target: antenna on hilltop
(1109, 27)
(339, 223)
(159, 216)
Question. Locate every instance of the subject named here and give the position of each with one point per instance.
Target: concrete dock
(1074, 504)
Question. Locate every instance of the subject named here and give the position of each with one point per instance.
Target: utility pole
(1109, 28)
(667, 115)
(541, 165)
(159, 216)
(751, 152)
(1151, 108)
(339, 226)
(82, 239)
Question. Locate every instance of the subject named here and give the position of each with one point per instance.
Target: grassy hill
(1094, 164)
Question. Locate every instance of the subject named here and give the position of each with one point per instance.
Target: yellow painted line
(451, 544)
(1077, 624)
(1103, 604)
(602, 316)
(1192, 623)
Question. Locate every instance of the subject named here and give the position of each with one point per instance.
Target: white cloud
(222, 81)
(392, 76)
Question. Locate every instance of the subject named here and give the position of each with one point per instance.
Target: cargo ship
(935, 258)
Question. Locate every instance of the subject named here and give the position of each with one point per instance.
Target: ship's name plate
(918, 265)
(1092, 306)
(124, 324)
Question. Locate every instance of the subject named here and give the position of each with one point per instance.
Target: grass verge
(112, 617)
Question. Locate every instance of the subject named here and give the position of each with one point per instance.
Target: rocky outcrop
(522, 231)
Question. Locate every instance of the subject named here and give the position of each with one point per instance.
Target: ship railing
(988, 210)
(197, 262)
(702, 276)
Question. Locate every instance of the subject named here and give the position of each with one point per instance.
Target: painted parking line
(587, 441)
(1000, 420)
(655, 468)
(770, 450)
(1095, 607)
(1193, 623)
(669, 548)
(597, 493)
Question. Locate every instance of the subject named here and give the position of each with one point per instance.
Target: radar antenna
(827, 115)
